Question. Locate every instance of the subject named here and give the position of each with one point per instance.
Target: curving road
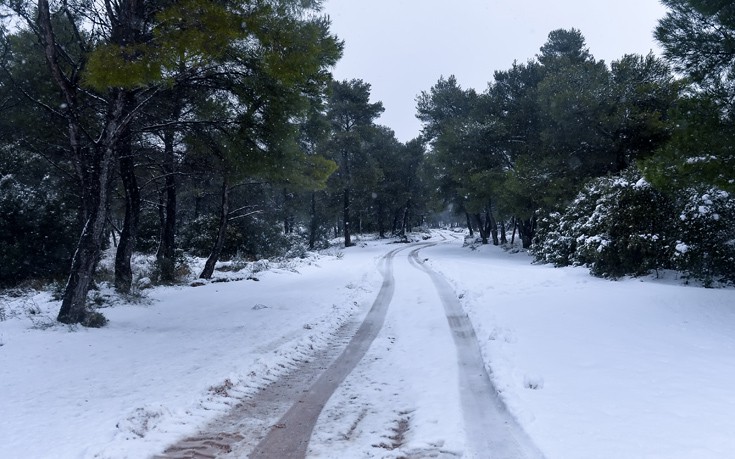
(290, 439)
(490, 431)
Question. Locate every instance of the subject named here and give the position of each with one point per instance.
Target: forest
(214, 129)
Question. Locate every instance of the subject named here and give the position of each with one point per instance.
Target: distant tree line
(206, 127)
(214, 128)
(625, 168)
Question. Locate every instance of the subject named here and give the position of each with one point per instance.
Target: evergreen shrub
(617, 225)
(705, 248)
(38, 233)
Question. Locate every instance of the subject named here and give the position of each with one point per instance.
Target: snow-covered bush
(622, 225)
(553, 243)
(705, 249)
(618, 225)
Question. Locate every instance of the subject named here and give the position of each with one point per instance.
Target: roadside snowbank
(638, 368)
(164, 367)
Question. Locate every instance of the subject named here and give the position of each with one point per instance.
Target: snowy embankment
(638, 368)
(164, 367)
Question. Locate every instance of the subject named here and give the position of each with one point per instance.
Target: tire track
(492, 432)
(290, 438)
(253, 427)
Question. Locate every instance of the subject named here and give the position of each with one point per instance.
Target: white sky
(402, 47)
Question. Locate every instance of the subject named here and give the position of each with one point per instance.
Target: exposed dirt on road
(258, 427)
(277, 423)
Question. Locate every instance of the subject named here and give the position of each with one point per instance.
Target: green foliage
(191, 30)
(544, 127)
(698, 37)
(349, 106)
(555, 243)
(705, 248)
(250, 238)
(189, 33)
(617, 226)
(622, 225)
(114, 66)
(701, 151)
(564, 48)
(37, 232)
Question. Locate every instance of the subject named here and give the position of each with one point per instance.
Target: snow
(152, 375)
(635, 368)
(638, 368)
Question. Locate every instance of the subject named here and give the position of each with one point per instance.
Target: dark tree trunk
(95, 167)
(515, 227)
(74, 301)
(288, 218)
(503, 236)
(526, 230)
(128, 235)
(406, 214)
(221, 233)
(348, 240)
(166, 254)
(481, 228)
(492, 225)
(96, 185)
(469, 224)
(313, 223)
(94, 163)
(381, 220)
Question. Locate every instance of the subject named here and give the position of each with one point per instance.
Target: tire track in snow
(492, 432)
(289, 439)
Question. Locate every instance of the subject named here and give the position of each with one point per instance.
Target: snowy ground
(639, 368)
(590, 368)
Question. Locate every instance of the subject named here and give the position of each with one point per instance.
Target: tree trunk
(492, 225)
(515, 227)
(166, 254)
(221, 233)
(288, 219)
(526, 230)
(348, 240)
(469, 224)
(381, 222)
(128, 235)
(482, 228)
(96, 185)
(95, 166)
(394, 227)
(406, 213)
(94, 163)
(503, 236)
(313, 222)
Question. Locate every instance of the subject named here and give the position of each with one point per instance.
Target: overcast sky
(402, 47)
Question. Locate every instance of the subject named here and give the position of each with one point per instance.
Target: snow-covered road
(450, 407)
(639, 368)
(491, 431)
